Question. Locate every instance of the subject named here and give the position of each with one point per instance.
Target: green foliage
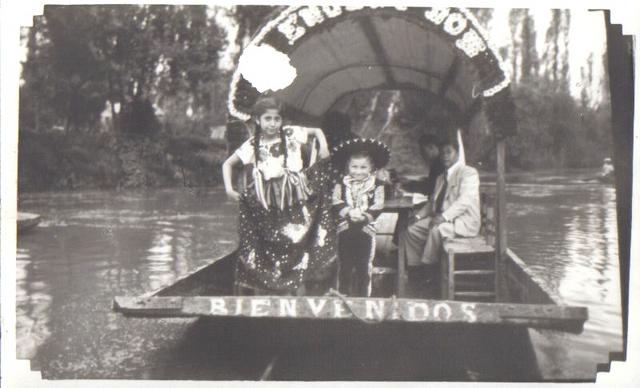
(529, 66)
(199, 160)
(555, 131)
(154, 68)
(138, 118)
(249, 18)
(56, 160)
(82, 59)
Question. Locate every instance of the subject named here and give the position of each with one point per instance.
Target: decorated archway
(443, 52)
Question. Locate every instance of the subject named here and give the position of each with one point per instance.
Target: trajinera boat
(478, 328)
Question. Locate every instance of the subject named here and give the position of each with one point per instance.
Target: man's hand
(437, 220)
(423, 212)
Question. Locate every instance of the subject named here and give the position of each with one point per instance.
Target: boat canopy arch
(442, 52)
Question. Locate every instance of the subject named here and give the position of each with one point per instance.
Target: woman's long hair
(259, 108)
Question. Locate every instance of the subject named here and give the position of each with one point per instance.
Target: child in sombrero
(358, 199)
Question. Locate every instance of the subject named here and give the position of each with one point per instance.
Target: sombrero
(376, 149)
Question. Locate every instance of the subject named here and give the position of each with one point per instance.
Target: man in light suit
(453, 211)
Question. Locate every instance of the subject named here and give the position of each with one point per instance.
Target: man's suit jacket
(461, 204)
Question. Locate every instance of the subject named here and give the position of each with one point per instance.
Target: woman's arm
(227, 176)
(323, 150)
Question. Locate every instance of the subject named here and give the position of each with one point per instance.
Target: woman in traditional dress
(284, 220)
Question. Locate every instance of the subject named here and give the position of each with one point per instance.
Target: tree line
(555, 129)
(125, 96)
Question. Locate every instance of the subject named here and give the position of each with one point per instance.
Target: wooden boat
(488, 300)
(27, 221)
(208, 292)
(510, 295)
(608, 178)
(607, 173)
(333, 337)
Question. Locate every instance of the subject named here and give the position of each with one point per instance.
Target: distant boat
(607, 172)
(27, 221)
(606, 178)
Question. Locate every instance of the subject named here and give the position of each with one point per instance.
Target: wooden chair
(386, 258)
(468, 266)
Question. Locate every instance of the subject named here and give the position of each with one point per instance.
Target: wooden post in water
(501, 210)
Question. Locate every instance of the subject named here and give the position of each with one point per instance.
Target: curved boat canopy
(335, 51)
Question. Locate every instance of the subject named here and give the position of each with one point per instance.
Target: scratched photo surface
(127, 113)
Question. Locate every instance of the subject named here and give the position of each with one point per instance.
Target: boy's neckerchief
(355, 191)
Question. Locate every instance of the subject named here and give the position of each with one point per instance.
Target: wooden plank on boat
(214, 278)
(398, 205)
(479, 294)
(476, 244)
(522, 285)
(366, 309)
(386, 223)
(471, 272)
(155, 305)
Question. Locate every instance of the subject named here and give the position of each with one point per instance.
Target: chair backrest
(488, 217)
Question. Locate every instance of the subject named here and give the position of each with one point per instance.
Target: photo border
(16, 373)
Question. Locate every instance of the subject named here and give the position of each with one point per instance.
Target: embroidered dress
(356, 240)
(274, 182)
(285, 223)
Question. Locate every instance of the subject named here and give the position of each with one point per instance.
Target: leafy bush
(56, 160)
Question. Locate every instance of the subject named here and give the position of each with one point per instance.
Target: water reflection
(33, 303)
(570, 241)
(169, 254)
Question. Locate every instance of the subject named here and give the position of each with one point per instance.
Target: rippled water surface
(92, 246)
(566, 232)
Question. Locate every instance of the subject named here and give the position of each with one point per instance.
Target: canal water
(94, 245)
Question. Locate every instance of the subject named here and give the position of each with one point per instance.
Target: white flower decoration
(266, 68)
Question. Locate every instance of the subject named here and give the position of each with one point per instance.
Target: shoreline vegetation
(107, 104)
(59, 161)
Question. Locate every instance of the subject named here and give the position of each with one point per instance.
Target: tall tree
(132, 57)
(515, 17)
(37, 91)
(556, 54)
(566, 25)
(484, 15)
(249, 19)
(552, 51)
(529, 65)
(60, 72)
(586, 74)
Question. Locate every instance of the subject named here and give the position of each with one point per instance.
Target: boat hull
(27, 221)
(208, 292)
(314, 350)
(333, 337)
